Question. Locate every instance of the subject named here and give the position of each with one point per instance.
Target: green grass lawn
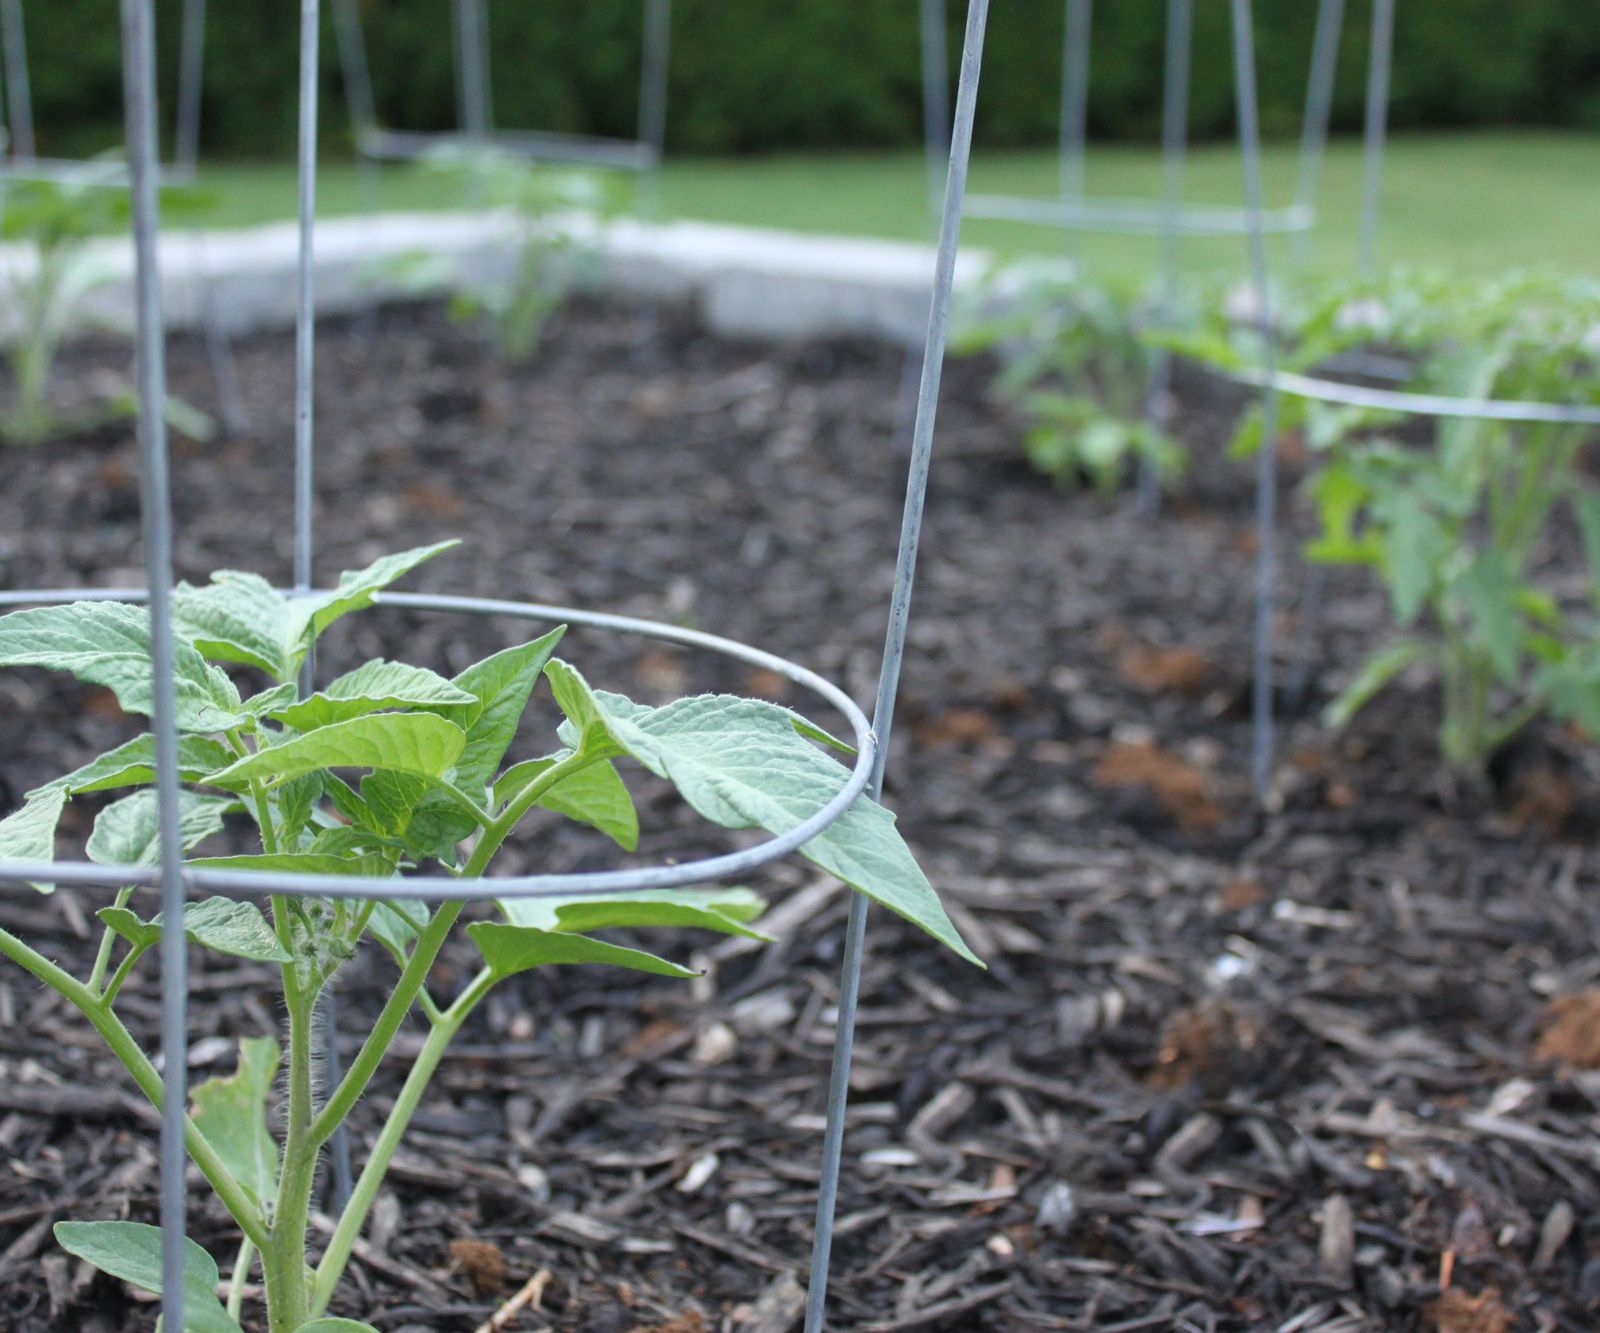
(1474, 203)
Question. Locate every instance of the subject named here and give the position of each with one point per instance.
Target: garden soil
(1331, 1066)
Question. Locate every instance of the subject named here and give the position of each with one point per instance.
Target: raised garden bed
(1226, 1069)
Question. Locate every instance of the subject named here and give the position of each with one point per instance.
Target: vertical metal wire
(138, 54)
(353, 63)
(472, 67)
(1319, 110)
(895, 639)
(191, 73)
(935, 99)
(305, 314)
(304, 422)
(19, 96)
(653, 72)
(1244, 74)
(1079, 22)
(1174, 153)
(1376, 131)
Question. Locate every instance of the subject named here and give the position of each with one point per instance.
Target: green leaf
(500, 687)
(1414, 546)
(1376, 672)
(369, 688)
(127, 832)
(1586, 507)
(132, 1251)
(300, 863)
(509, 949)
(724, 910)
(307, 617)
(417, 743)
(108, 643)
(29, 834)
(223, 925)
(296, 800)
(741, 764)
(269, 701)
(418, 811)
(336, 1326)
(133, 765)
(395, 922)
(1489, 589)
(595, 796)
(231, 1114)
(237, 617)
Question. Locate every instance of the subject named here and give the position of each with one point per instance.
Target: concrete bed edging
(742, 281)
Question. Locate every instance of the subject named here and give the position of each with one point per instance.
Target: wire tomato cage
(175, 880)
(1171, 219)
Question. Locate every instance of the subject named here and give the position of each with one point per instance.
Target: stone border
(742, 281)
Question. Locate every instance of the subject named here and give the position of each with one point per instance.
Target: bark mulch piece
(1311, 1071)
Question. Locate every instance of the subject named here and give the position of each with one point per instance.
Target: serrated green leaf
(500, 687)
(29, 834)
(133, 764)
(231, 1114)
(1414, 545)
(595, 796)
(368, 689)
(131, 1251)
(1489, 589)
(509, 949)
(127, 832)
(417, 743)
(307, 617)
(723, 910)
(222, 925)
(417, 811)
(108, 643)
(741, 764)
(237, 617)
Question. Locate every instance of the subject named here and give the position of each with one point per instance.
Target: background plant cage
(474, 97)
(175, 880)
(20, 161)
(1326, 386)
(1171, 218)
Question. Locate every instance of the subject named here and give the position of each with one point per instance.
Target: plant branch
(429, 941)
(144, 1074)
(102, 959)
(354, 1217)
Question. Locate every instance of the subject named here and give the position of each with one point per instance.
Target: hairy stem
(354, 1217)
(123, 1045)
(283, 1260)
(372, 1051)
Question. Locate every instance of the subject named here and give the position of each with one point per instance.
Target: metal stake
(19, 95)
(1244, 75)
(895, 641)
(1174, 153)
(1376, 131)
(138, 54)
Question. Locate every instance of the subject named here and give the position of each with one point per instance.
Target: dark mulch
(1225, 1071)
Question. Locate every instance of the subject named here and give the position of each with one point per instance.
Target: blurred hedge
(757, 74)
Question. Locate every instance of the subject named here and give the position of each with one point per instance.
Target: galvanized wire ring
(436, 888)
(1419, 404)
(1138, 217)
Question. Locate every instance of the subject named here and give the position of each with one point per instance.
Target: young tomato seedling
(436, 787)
